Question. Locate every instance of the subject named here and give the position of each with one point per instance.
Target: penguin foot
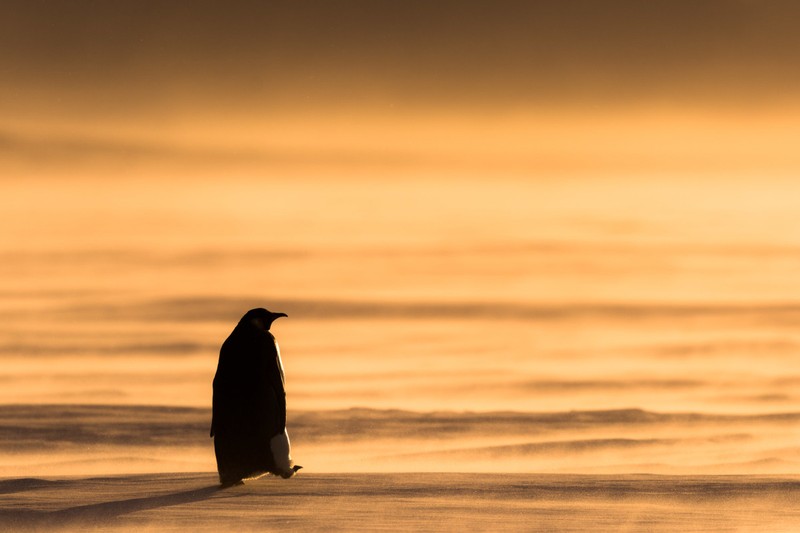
(231, 483)
(290, 473)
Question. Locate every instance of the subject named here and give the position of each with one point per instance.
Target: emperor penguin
(248, 414)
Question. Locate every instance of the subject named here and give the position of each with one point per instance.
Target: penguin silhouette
(248, 416)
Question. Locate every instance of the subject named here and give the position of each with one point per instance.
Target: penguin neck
(252, 329)
(266, 332)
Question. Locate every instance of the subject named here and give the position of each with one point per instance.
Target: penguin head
(261, 318)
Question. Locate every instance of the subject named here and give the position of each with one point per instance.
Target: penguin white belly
(281, 452)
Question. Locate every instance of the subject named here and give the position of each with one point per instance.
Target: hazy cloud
(166, 348)
(231, 309)
(26, 427)
(503, 52)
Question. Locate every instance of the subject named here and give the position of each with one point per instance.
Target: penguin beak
(278, 315)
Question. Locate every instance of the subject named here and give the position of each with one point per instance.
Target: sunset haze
(554, 239)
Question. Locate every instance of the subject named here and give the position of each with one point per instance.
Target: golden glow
(611, 229)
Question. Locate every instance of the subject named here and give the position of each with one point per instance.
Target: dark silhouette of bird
(248, 420)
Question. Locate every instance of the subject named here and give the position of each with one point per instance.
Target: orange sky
(510, 86)
(127, 58)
